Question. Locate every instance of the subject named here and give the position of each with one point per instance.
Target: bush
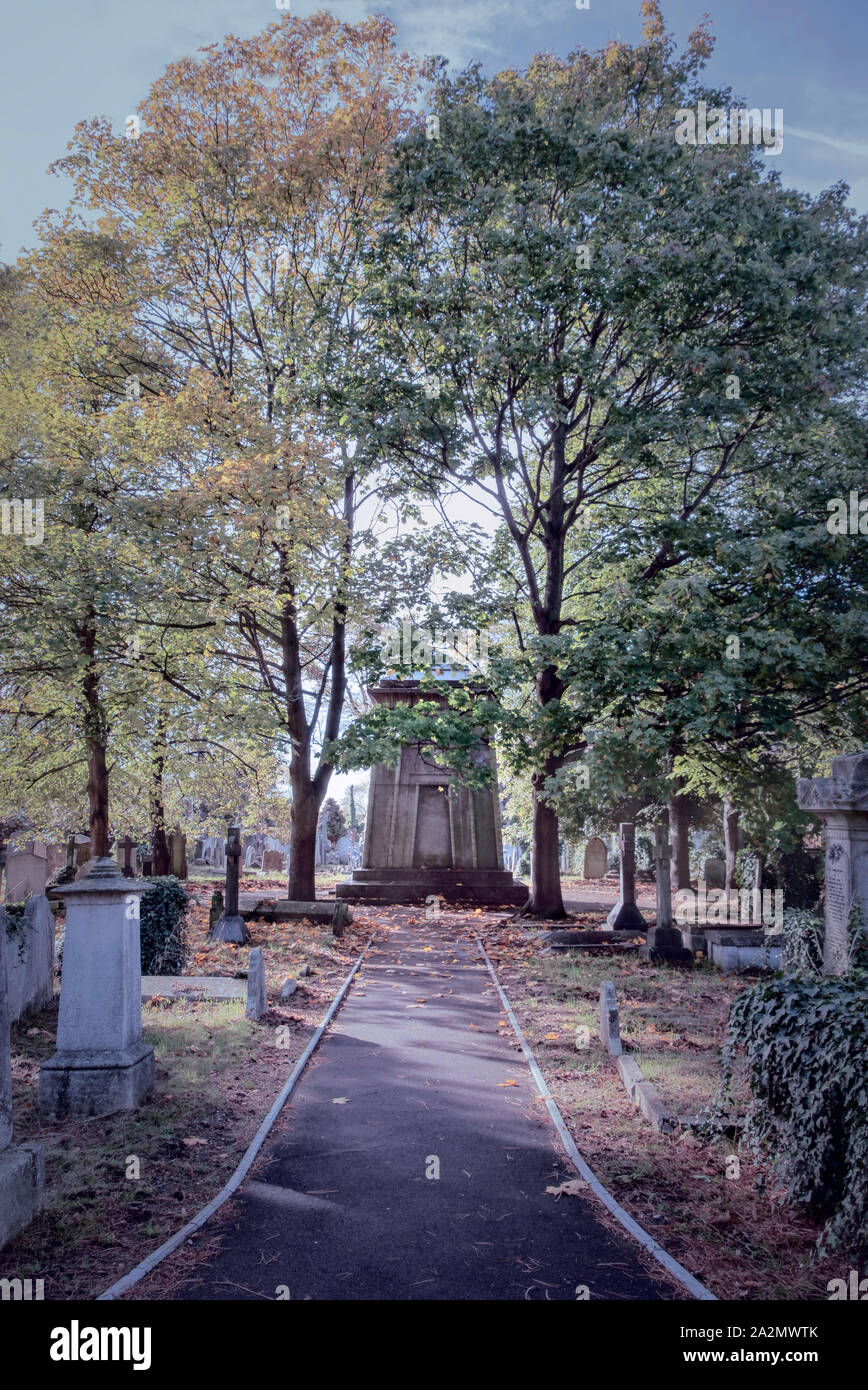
(802, 942)
(163, 927)
(806, 1052)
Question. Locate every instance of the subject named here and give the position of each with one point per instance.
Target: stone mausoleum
(427, 837)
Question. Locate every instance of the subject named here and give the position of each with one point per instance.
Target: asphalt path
(415, 1159)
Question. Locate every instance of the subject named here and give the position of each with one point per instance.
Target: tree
(605, 313)
(245, 205)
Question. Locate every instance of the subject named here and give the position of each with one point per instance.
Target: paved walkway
(412, 1071)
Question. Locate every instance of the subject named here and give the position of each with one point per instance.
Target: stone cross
(625, 915)
(231, 926)
(664, 936)
(126, 847)
(841, 802)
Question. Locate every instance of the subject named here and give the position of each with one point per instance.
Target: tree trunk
(546, 899)
(679, 835)
(159, 839)
(302, 839)
(731, 842)
(96, 734)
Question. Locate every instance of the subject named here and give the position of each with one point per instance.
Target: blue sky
(64, 62)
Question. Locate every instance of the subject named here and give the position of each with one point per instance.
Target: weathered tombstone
(178, 853)
(82, 849)
(714, 873)
(344, 848)
(101, 1064)
(272, 861)
(215, 911)
(26, 872)
(126, 856)
(148, 864)
(57, 855)
(219, 857)
(664, 939)
(610, 1029)
(340, 918)
(230, 926)
(22, 1166)
(30, 960)
(625, 915)
(257, 996)
(841, 802)
(596, 858)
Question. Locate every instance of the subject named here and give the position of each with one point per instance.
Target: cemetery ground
(218, 1074)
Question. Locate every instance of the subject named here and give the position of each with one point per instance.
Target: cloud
(859, 147)
(460, 31)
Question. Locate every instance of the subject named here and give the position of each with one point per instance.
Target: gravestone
(30, 960)
(625, 915)
(664, 939)
(841, 802)
(101, 1064)
(610, 1029)
(344, 849)
(216, 910)
(230, 926)
(178, 854)
(26, 872)
(596, 858)
(57, 858)
(82, 849)
(714, 873)
(257, 996)
(126, 856)
(22, 1167)
(272, 861)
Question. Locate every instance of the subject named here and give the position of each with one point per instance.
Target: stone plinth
(841, 802)
(101, 1064)
(425, 834)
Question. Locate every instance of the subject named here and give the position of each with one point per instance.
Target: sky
(65, 62)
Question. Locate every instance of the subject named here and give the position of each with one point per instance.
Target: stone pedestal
(22, 1170)
(101, 1064)
(841, 802)
(427, 836)
(625, 915)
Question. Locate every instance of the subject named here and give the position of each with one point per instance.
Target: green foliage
(14, 914)
(806, 1052)
(336, 825)
(163, 927)
(802, 942)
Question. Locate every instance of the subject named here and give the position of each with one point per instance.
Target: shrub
(163, 927)
(806, 1053)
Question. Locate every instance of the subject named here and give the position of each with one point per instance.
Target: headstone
(230, 926)
(257, 997)
(26, 872)
(344, 849)
(219, 857)
(610, 1030)
(664, 940)
(625, 915)
(148, 864)
(288, 989)
(82, 849)
(30, 960)
(22, 1167)
(178, 854)
(596, 858)
(126, 856)
(841, 802)
(57, 855)
(101, 1064)
(714, 873)
(340, 918)
(216, 909)
(272, 861)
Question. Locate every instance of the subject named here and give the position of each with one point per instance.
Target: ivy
(163, 915)
(14, 915)
(806, 1052)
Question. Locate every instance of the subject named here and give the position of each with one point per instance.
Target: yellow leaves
(507, 1083)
